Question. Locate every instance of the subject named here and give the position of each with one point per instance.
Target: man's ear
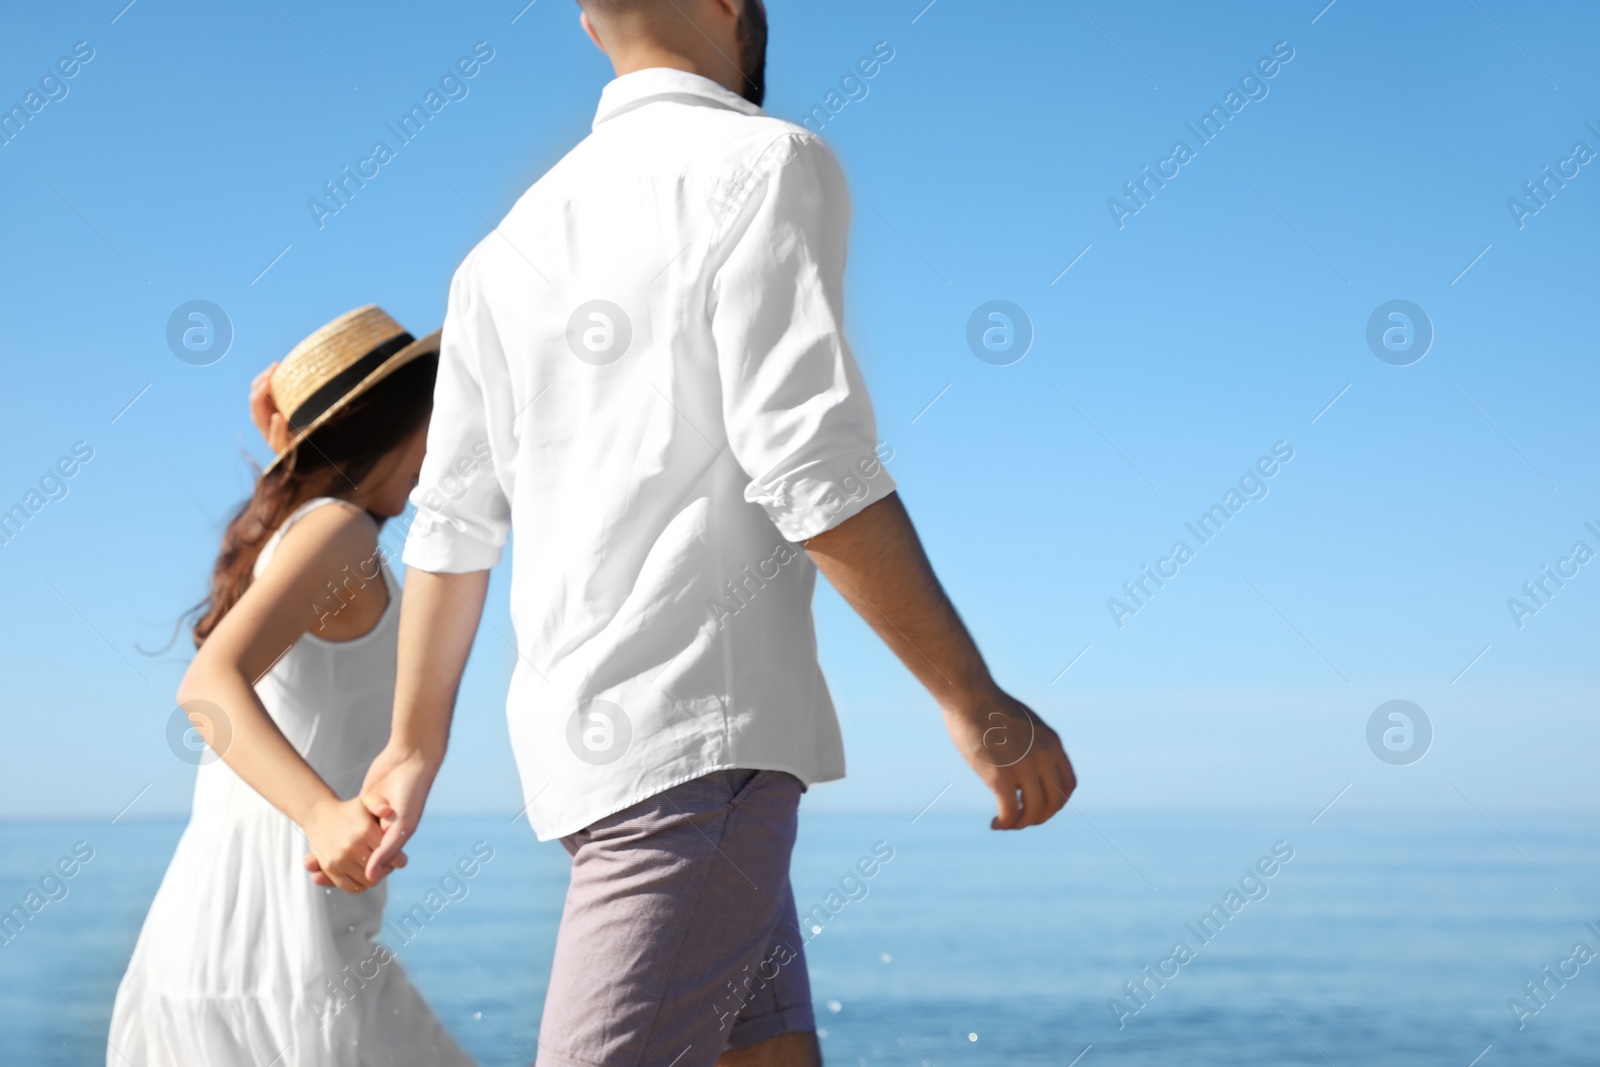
(588, 27)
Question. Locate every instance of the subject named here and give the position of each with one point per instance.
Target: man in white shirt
(644, 374)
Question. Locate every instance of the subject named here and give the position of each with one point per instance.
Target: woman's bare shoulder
(325, 540)
(330, 560)
(338, 528)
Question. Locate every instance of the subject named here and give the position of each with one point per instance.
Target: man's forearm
(439, 616)
(877, 563)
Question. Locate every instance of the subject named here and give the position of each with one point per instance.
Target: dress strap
(277, 535)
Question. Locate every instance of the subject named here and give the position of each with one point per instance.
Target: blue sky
(1168, 355)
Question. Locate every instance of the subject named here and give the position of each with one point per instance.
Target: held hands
(394, 793)
(343, 835)
(1014, 752)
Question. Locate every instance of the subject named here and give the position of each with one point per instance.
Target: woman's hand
(343, 836)
(265, 414)
(319, 877)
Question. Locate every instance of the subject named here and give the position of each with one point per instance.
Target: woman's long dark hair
(331, 462)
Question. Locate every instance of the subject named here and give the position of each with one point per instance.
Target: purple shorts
(678, 941)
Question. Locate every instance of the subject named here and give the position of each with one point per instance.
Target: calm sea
(1395, 940)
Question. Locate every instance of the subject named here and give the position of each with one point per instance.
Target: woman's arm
(290, 598)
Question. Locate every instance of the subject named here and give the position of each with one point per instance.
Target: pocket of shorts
(741, 783)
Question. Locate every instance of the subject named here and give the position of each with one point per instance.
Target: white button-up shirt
(644, 375)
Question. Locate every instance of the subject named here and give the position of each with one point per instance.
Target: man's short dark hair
(619, 7)
(638, 12)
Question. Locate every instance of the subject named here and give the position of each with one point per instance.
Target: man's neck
(646, 57)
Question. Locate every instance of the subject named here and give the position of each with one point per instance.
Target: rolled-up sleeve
(462, 515)
(798, 418)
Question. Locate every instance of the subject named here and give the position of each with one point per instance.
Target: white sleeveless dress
(242, 960)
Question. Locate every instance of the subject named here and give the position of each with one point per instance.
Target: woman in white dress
(242, 959)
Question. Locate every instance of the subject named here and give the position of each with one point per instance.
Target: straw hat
(337, 364)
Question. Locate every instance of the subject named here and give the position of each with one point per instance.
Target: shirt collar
(666, 83)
